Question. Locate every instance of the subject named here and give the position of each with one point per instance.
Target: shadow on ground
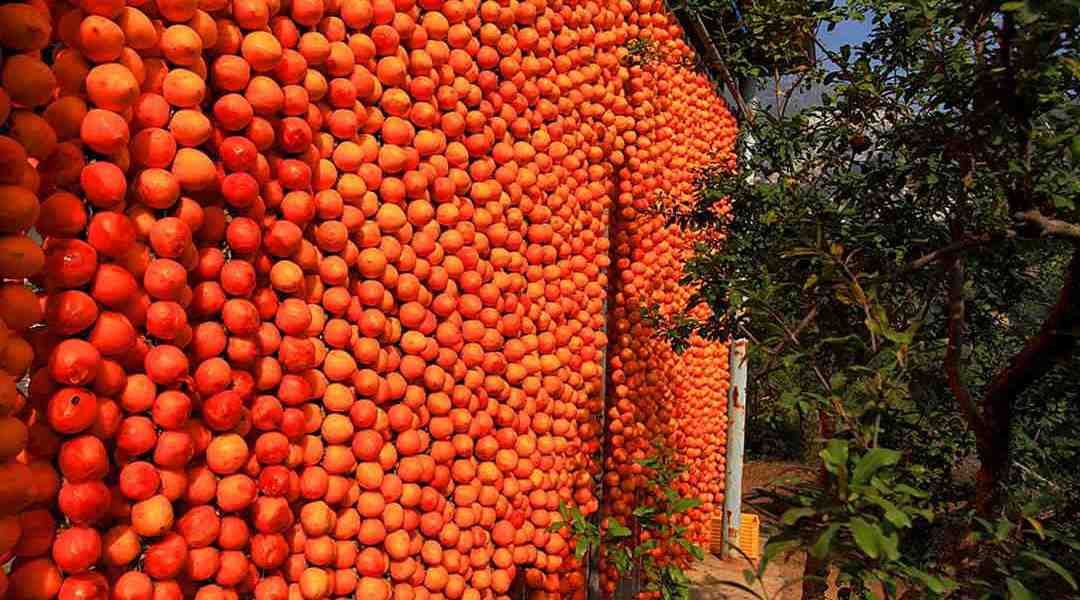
(781, 579)
(707, 579)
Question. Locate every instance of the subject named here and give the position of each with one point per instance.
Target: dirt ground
(781, 577)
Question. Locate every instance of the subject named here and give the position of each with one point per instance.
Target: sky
(847, 32)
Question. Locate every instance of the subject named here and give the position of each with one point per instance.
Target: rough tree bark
(991, 419)
(1054, 341)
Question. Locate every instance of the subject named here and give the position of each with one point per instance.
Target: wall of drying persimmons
(321, 298)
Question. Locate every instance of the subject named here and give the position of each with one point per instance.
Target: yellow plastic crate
(750, 535)
(749, 540)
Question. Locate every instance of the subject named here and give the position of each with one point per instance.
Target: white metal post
(736, 436)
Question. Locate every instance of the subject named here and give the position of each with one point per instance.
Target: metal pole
(735, 445)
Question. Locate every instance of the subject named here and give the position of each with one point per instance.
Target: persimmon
(25, 27)
(104, 131)
(36, 579)
(328, 237)
(112, 86)
(28, 80)
(20, 257)
(69, 263)
(188, 127)
(183, 88)
(181, 45)
(111, 234)
(104, 184)
(20, 208)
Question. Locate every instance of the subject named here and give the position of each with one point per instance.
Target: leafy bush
(904, 255)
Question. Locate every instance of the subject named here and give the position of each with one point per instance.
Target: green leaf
(642, 512)
(867, 537)
(792, 515)
(821, 547)
(890, 546)
(1017, 591)
(616, 529)
(799, 252)
(910, 491)
(693, 549)
(898, 518)
(684, 504)
(871, 462)
(1037, 526)
(1053, 566)
(1002, 530)
(935, 584)
(1013, 6)
(835, 455)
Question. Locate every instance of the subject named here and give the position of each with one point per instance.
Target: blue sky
(847, 32)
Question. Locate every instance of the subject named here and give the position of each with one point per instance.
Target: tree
(884, 240)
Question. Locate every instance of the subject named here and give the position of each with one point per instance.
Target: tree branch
(955, 345)
(1054, 341)
(809, 318)
(775, 351)
(791, 92)
(718, 62)
(947, 252)
(1049, 227)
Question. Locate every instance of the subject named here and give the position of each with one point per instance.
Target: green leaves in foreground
(855, 520)
(879, 250)
(626, 551)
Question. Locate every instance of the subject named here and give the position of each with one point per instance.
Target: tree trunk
(815, 582)
(992, 475)
(1054, 341)
(815, 579)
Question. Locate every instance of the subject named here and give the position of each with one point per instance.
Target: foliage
(856, 518)
(637, 547)
(903, 256)
(867, 502)
(586, 534)
(1017, 553)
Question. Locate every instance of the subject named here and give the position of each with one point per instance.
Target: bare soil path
(781, 577)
